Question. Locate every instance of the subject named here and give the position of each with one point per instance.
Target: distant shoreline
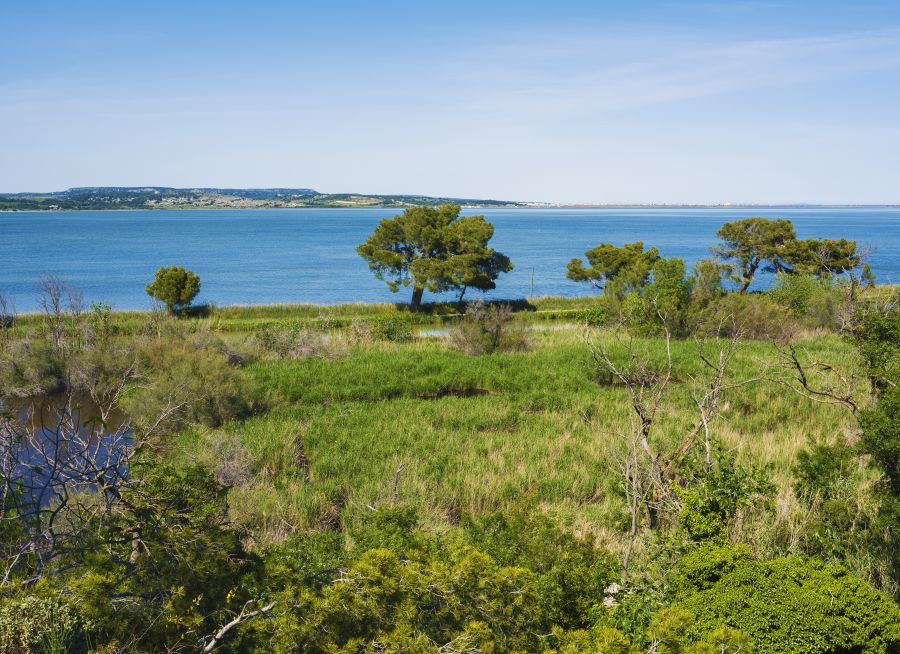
(532, 206)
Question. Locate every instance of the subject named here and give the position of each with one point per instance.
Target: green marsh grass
(475, 433)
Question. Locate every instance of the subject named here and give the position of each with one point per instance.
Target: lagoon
(268, 256)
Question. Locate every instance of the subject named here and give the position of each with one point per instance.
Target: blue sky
(744, 101)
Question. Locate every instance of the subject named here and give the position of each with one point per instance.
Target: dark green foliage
(867, 275)
(434, 249)
(881, 436)
(881, 441)
(161, 566)
(821, 467)
(663, 304)
(572, 573)
(392, 528)
(187, 565)
(822, 257)
(716, 495)
(753, 241)
(615, 270)
(388, 603)
(785, 605)
(313, 559)
(175, 287)
(877, 335)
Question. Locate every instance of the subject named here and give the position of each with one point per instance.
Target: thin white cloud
(603, 75)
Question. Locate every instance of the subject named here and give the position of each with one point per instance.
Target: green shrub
(663, 304)
(306, 557)
(785, 605)
(488, 328)
(396, 328)
(572, 572)
(718, 493)
(877, 335)
(461, 597)
(820, 467)
(175, 287)
(706, 281)
(187, 385)
(37, 625)
(594, 316)
(815, 302)
(297, 341)
(755, 315)
(393, 528)
(701, 516)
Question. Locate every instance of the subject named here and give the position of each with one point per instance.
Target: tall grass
(248, 319)
(475, 433)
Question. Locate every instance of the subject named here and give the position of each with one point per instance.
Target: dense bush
(815, 302)
(31, 624)
(785, 605)
(31, 368)
(877, 335)
(175, 287)
(384, 602)
(595, 316)
(663, 304)
(397, 328)
(298, 341)
(573, 573)
(186, 384)
(753, 315)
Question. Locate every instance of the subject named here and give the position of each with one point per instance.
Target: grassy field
(475, 433)
(246, 319)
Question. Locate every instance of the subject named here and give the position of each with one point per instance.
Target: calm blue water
(308, 255)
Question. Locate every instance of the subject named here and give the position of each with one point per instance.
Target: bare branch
(816, 380)
(243, 616)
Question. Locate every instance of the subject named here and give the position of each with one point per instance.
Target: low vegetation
(673, 466)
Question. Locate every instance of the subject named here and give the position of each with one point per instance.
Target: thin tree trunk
(416, 302)
(748, 277)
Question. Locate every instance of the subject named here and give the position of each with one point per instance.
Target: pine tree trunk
(416, 302)
(748, 275)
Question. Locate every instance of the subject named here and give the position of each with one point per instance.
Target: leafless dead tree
(60, 476)
(51, 291)
(647, 472)
(60, 301)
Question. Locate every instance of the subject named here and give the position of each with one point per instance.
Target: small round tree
(175, 287)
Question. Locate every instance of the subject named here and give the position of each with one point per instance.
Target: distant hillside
(163, 197)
